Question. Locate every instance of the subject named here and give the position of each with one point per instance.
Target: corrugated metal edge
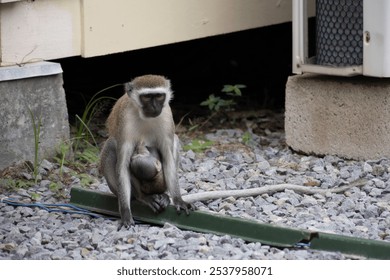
(199, 221)
(374, 249)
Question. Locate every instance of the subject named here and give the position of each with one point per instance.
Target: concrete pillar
(36, 87)
(344, 116)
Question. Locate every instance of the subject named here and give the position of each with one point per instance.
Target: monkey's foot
(126, 220)
(157, 202)
(181, 205)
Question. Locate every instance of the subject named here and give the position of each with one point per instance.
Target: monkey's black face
(152, 104)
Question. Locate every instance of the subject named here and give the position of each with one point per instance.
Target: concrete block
(343, 116)
(38, 69)
(41, 92)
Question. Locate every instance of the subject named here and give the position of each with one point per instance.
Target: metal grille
(339, 34)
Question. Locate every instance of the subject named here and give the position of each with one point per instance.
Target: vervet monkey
(141, 123)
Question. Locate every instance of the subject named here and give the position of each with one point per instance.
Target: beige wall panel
(49, 29)
(122, 25)
(39, 30)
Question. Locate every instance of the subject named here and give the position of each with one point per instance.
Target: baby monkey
(146, 167)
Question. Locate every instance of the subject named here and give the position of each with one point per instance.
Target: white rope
(209, 195)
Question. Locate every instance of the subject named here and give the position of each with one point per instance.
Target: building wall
(39, 30)
(50, 29)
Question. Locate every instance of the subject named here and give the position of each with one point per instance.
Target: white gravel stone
(33, 233)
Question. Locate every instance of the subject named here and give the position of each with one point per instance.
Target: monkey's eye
(160, 96)
(145, 98)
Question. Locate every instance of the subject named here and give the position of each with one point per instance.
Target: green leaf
(198, 145)
(233, 90)
(227, 88)
(35, 196)
(246, 137)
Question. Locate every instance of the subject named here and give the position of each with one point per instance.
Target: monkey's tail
(270, 189)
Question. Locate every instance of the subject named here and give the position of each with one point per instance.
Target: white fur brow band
(153, 90)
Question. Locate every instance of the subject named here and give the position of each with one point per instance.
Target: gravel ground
(264, 159)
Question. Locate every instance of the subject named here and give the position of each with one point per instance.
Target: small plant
(198, 145)
(85, 179)
(233, 90)
(89, 154)
(54, 186)
(82, 136)
(216, 103)
(57, 188)
(35, 196)
(64, 149)
(246, 137)
(89, 111)
(83, 148)
(37, 130)
(86, 154)
(13, 184)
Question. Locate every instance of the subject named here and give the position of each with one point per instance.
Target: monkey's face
(152, 104)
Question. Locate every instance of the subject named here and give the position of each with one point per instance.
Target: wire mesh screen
(339, 34)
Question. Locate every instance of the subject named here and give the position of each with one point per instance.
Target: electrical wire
(51, 207)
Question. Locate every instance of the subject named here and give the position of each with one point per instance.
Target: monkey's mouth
(151, 114)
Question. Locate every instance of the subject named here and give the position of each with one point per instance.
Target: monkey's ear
(128, 87)
(168, 83)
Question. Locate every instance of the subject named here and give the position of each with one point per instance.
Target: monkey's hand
(181, 205)
(157, 202)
